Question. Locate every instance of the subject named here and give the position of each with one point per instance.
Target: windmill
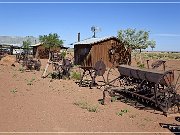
(95, 29)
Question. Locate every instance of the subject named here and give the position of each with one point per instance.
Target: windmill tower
(95, 29)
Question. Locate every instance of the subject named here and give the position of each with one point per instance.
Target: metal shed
(43, 53)
(87, 52)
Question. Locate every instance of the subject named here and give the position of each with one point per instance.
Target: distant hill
(17, 39)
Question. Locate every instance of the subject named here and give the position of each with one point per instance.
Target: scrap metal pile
(61, 69)
(28, 62)
(61, 66)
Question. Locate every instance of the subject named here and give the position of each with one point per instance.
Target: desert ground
(29, 103)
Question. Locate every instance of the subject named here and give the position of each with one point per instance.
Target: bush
(85, 105)
(75, 75)
(114, 99)
(120, 113)
(63, 54)
(140, 65)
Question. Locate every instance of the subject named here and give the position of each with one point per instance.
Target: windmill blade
(93, 28)
(98, 29)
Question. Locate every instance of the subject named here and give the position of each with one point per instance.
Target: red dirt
(48, 106)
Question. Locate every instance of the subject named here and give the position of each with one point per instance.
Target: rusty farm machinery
(143, 88)
(175, 128)
(93, 71)
(146, 87)
(60, 66)
(29, 63)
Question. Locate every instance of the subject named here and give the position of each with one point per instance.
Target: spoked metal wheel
(166, 96)
(113, 77)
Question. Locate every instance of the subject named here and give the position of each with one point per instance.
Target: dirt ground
(29, 103)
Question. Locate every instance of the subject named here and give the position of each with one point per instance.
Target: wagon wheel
(113, 77)
(166, 96)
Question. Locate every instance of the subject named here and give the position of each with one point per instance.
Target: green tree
(135, 39)
(152, 45)
(26, 45)
(50, 41)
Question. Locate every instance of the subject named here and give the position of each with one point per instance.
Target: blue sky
(67, 19)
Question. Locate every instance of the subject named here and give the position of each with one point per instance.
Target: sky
(162, 20)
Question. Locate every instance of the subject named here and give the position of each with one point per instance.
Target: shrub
(92, 108)
(81, 104)
(76, 75)
(30, 82)
(85, 105)
(14, 90)
(113, 99)
(120, 113)
(21, 69)
(63, 54)
(140, 65)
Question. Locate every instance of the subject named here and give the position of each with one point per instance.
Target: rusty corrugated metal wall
(43, 53)
(97, 52)
(101, 51)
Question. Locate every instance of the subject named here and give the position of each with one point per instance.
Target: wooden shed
(43, 53)
(87, 52)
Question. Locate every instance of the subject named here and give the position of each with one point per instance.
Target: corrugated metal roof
(93, 40)
(38, 44)
(35, 44)
(10, 44)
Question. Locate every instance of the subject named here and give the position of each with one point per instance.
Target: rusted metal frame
(93, 83)
(157, 93)
(139, 95)
(57, 69)
(173, 127)
(105, 83)
(89, 70)
(63, 68)
(109, 83)
(157, 64)
(168, 102)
